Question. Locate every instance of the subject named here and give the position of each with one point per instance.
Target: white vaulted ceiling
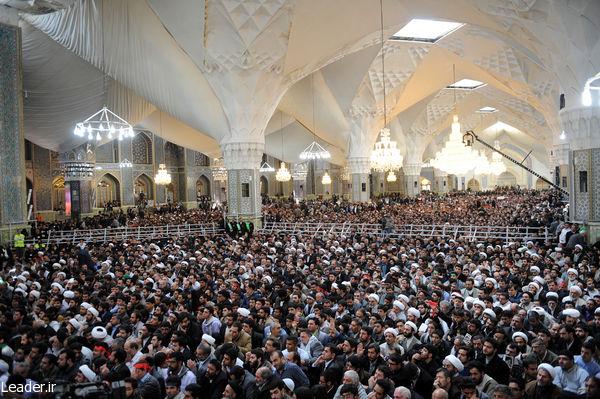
(160, 57)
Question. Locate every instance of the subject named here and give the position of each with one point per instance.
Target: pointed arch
(58, 193)
(108, 189)
(202, 187)
(264, 186)
(506, 179)
(473, 185)
(143, 184)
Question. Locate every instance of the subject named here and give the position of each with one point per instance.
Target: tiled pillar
(13, 196)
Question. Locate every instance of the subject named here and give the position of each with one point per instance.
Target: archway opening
(473, 185)
(506, 179)
(202, 187)
(58, 193)
(264, 186)
(143, 189)
(108, 192)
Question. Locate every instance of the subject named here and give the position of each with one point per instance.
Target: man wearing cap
(543, 386)
(148, 386)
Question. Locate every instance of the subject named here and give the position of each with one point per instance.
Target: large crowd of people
(311, 317)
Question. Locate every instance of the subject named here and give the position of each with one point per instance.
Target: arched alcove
(108, 189)
(264, 186)
(473, 185)
(143, 184)
(202, 186)
(506, 179)
(58, 193)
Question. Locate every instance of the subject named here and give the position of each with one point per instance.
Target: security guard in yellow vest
(19, 240)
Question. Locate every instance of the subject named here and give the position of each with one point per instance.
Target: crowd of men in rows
(309, 316)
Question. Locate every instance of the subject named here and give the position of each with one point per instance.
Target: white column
(412, 173)
(582, 129)
(242, 161)
(360, 168)
(440, 181)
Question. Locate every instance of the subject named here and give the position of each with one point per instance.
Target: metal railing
(125, 233)
(505, 233)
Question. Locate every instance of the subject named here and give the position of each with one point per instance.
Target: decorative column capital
(359, 165)
(411, 169)
(581, 126)
(242, 155)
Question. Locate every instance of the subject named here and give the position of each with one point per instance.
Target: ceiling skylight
(487, 110)
(467, 84)
(426, 30)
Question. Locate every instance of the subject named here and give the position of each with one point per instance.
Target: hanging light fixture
(456, 158)
(219, 173)
(326, 179)
(283, 174)
(314, 149)
(385, 155)
(125, 164)
(391, 177)
(104, 124)
(266, 168)
(162, 177)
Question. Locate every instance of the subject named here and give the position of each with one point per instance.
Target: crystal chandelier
(283, 174)
(391, 177)
(455, 158)
(219, 173)
(162, 177)
(326, 179)
(125, 164)
(104, 124)
(266, 168)
(385, 155)
(314, 151)
(300, 171)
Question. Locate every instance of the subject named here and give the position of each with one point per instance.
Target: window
(363, 187)
(583, 185)
(425, 30)
(245, 190)
(487, 110)
(466, 84)
(564, 181)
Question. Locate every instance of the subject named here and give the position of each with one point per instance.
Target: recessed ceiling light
(466, 84)
(487, 110)
(426, 30)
